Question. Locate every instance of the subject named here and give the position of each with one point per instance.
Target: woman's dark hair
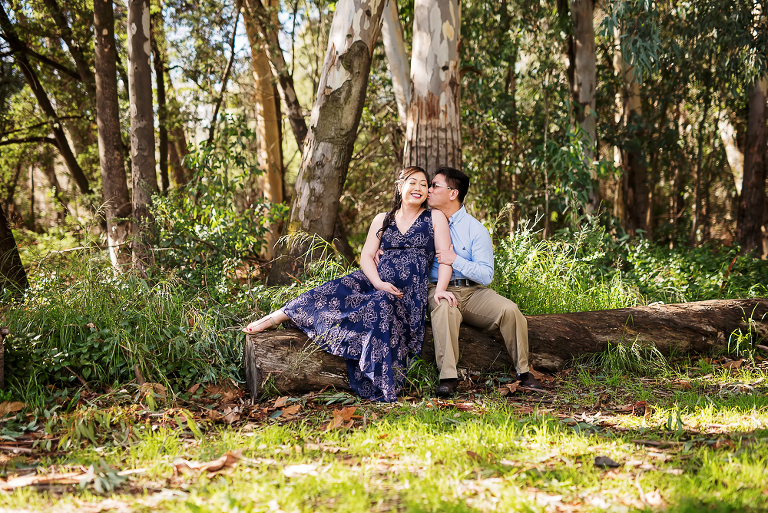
(397, 200)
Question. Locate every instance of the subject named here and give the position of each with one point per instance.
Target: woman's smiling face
(414, 188)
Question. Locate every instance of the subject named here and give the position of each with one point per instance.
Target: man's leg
(486, 309)
(446, 320)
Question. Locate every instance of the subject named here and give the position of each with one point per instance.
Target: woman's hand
(388, 287)
(448, 296)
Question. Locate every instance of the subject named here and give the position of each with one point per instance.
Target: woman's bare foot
(270, 321)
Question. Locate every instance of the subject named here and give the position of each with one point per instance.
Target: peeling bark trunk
(333, 127)
(268, 140)
(117, 204)
(397, 58)
(298, 365)
(12, 274)
(266, 24)
(433, 124)
(732, 152)
(143, 169)
(632, 158)
(45, 103)
(752, 203)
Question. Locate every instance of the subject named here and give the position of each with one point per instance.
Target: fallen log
(295, 364)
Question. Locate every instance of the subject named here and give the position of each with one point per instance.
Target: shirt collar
(456, 217)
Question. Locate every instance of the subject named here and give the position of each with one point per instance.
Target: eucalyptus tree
(143, 173)
(117, 203)
(433, 123)
(333, 125)
(269, 140)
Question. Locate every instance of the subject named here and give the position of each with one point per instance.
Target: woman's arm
(442, 242)
(367, 264)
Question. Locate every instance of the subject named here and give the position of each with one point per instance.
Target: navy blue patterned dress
(375, 331)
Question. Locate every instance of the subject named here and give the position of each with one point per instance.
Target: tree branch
(225, 78)
(26, 140)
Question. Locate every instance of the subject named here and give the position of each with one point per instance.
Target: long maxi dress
(375, 331)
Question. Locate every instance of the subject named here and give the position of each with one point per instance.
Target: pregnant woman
(375, 317)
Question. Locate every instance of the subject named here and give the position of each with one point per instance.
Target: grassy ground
(687, 436)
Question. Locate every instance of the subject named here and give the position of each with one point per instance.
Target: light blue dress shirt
(474, 250)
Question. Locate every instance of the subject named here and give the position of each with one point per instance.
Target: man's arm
(480, 268)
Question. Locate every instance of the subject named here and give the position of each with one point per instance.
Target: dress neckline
(403, 234)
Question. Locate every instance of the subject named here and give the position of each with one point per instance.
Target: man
(471, 256)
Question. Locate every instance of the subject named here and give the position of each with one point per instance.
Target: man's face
(440, 194)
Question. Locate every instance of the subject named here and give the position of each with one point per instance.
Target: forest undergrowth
(123, 393)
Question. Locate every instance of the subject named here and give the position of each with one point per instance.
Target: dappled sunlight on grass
(672, 442)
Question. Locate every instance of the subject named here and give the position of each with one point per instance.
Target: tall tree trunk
(177, 150)
(12, 274)
(267, 26)
(73, 45)
(268, 138)
(582, 77)
(117, 203)
(397, 58)
(732, 152)
(335, 118)
(158, 46)
(632, 158)
(752, 203)
(433, 124)
(143, 169)
(698, 179)
(45, 104)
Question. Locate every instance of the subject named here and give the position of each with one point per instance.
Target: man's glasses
(437, 186)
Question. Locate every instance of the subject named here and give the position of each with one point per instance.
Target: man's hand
(448, 296)
(377, 256)
(446, 256)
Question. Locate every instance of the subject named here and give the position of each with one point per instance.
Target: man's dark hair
(455, 179)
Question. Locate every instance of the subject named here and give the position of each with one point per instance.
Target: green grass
(480, 452)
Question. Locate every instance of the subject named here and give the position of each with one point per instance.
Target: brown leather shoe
(528, 381)
(447, 387)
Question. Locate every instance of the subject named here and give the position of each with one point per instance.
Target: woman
(374, 317)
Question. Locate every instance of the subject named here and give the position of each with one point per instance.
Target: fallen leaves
(228, 460)
(7, 407)
(342, 417)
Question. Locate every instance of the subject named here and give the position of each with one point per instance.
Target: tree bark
(266, 24)
(397, 58)
(268, 140)
(582, 78)
(117, 203)
(45, 104)
(297, 365)
(333, 126)
(12, 274)
(752, 203)
(158, 62)
(143, 169)
(630, 118)
(433, 123)
(733, 154)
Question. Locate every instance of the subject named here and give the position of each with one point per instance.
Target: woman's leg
(268, 321)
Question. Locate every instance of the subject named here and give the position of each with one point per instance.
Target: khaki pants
(483, 308)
